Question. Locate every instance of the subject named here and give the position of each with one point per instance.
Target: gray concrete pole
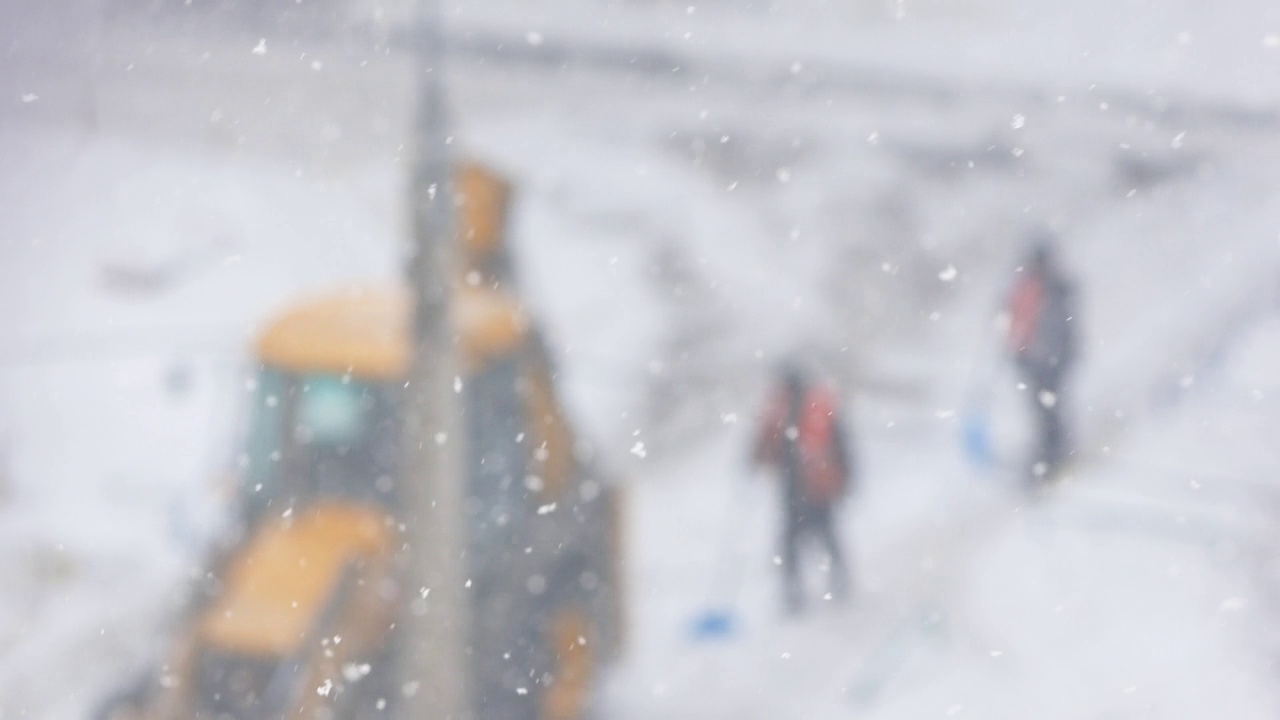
(435, 663)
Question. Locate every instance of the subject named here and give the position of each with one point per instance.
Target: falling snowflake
(353, 671)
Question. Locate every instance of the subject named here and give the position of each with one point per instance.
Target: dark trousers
(818, 523)
(1044, 385)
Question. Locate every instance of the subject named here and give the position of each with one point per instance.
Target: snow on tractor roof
(365, 331)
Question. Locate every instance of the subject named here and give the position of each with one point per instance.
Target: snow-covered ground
(852, 181)
(1143, 587)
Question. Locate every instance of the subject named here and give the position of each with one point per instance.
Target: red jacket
(821, 465)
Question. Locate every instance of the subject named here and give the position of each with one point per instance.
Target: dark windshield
(317, 435)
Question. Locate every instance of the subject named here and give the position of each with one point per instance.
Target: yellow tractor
(297, 615)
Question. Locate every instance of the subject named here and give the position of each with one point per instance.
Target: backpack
(1026, 302)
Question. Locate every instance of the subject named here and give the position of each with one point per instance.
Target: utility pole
(434, 660)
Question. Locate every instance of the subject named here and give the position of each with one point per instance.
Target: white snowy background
(700, 187)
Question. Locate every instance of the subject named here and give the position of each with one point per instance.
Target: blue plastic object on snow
(976, 430)
(714, 625)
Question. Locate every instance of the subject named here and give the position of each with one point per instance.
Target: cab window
(318, 435)
(264, 444)
(343, 440)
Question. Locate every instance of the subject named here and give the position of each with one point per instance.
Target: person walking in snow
(801, 438)
(1042, 342)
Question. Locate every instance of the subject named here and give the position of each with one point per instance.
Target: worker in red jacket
(1042, 343)
(801, 438)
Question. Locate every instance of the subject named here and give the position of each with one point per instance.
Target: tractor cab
(323, 423)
